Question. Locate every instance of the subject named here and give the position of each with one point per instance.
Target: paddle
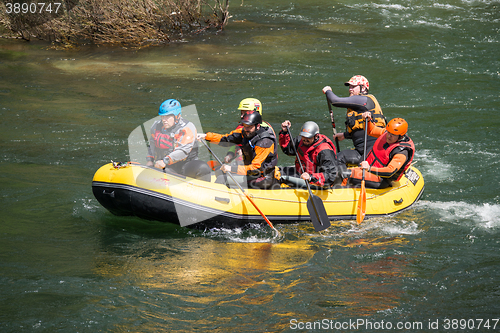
(360, 215)
(213, 164)
(241, 189)
(333, 124)
(314, 203)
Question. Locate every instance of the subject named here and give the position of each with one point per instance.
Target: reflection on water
(167, 67)
(342, 27)
(227, 274)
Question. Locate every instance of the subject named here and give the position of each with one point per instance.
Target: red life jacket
(308, 154)
(382, 153)
(165, 141)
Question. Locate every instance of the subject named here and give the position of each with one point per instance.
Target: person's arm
(284, 139)
(356, 102)
(374, 130)
(226, 140)
(230, 155)
(285, 144)
(394, 166)
(327, 168)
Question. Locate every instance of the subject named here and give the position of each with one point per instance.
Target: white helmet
(309, 129)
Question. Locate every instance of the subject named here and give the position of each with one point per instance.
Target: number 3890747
(33, 7)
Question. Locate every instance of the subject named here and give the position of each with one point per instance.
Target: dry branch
(123, 22)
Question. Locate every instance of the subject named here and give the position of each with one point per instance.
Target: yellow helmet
(251, 104)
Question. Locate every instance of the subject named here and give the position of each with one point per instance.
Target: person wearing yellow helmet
(250, 105)
(259, 153)
(390, 156)
(359, 101)
(246, 106)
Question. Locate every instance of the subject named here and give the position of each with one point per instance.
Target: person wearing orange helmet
(358, 102)
(390, 156)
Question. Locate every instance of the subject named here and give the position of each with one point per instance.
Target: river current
(68, 265)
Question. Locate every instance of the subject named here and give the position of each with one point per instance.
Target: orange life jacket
(354, 119)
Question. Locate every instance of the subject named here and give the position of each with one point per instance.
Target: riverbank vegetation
(131, 23)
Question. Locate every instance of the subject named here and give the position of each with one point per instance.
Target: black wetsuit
(359, 103)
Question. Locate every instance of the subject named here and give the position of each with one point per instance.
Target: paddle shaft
(241, 188)
(307, 182)
(364, 148)
(298, 159)
(146, 139)
(362, 194)
(333, 124)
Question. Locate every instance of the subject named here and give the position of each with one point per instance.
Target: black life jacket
(248, 148)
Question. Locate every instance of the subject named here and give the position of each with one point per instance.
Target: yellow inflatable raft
(153, 194)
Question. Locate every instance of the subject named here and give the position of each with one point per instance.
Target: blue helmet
(170, 106)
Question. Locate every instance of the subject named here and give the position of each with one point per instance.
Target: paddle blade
(213, 164)
(318, 213)
(360, 216)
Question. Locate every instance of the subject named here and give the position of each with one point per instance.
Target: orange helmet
(397, 126)
(358, 80)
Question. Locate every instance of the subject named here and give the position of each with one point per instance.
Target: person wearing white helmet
(172, 140)
(358, 102)
(317, 154)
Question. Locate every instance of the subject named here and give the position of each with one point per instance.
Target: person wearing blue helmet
(172, 140)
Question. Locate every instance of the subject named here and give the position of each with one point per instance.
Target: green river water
(68, 265)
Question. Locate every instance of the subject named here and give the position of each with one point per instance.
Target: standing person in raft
(390, 156)
(173, 145)
(317, 154)
(358, 102)
(258, 146)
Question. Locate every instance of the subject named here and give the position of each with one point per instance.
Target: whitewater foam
(484, 215)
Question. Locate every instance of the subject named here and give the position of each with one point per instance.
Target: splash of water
(484, 215)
